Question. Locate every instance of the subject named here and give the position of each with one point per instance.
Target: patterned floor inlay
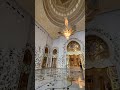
(57, 79)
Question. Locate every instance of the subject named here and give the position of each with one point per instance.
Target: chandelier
(67, 32)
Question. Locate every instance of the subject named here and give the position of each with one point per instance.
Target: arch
(96, 48)
(73, 54)
(46, 50)
(78, 41)
(54, 57)
(81, 52)
(73, 46)
(24, 75)
(106, 38)
(45, 57)
(54, 51)
(27, 57)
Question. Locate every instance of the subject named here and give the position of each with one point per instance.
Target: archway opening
(24, 77)
(100, 74)
(74, 55)
(54, 58)
(45, 58)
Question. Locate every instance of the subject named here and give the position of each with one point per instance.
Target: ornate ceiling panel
(50, 20)
(56, 10)
(42, 19)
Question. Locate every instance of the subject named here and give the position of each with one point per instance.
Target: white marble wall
(61, 44)
(41, 39)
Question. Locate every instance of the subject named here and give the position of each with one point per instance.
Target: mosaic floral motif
(114, 39)
(73, 46)
(96, 48)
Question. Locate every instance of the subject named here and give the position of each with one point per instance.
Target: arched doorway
(96, 48)
(45, 58)
(54, 58)
(74, 55)
(24, 75)
(100, 72)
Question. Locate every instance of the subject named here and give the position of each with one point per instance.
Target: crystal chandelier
(67, 32)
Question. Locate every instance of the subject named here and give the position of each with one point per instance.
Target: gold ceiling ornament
(56, 10)
(67, 32)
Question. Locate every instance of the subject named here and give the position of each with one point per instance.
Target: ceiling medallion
(67, 32)
(56, 10)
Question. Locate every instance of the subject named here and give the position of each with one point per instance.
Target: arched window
(44, 62)
(54, 58)
(46, 50)
(54, 51)
(23, 82)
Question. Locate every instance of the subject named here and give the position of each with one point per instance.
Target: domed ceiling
(56, 10)
(50, 15)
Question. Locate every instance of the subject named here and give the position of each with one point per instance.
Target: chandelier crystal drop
(67, 30)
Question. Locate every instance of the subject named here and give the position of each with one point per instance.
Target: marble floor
(58, 79)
